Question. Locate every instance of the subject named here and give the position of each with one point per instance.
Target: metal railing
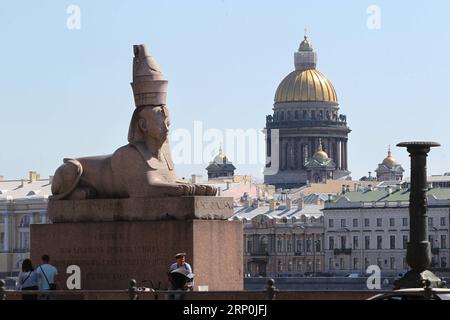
(132, 293)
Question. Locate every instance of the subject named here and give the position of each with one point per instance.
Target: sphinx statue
(143, 167)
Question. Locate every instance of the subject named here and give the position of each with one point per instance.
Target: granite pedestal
(117, 249)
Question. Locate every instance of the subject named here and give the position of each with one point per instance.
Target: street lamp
(418, 254)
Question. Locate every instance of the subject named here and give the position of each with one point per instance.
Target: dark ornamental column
(418, 254)
(338, 156)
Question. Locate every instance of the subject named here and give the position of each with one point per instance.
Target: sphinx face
(154, 123)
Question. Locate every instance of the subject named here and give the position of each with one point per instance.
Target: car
(352, 275)
(414, 294)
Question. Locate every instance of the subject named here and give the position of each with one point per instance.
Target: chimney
(288, 203)
(355, 187)
(348, 188)
(247, 203)
(301, 203)
(219, 191)
(194, 178)
(272, 204)
(33, 176)
(330, 197)
(370, 187)
(398, 187)
(343, 188)
(318, 200)
(23, 183)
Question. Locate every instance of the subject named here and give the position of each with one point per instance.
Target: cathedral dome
(306, 83)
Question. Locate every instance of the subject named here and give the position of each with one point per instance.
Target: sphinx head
(149, 123)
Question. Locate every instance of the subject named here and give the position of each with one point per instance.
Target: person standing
(48, 276)
(28, 280)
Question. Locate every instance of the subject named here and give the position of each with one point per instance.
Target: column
(6, 231)
(346, 155)
(338, 155)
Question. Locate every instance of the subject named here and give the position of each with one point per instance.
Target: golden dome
(389, 160)
(320, 155)
(305, 85)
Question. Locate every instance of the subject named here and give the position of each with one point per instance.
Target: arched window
(305, 114)
(288, 115)
(282, 115)
(296, 115)
(313, 115)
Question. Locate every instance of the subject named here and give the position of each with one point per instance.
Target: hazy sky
(66, 93)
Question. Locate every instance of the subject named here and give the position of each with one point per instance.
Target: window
(343, 242)
(355, 242)
(379, 222)
(355, 263)
(380, 263)
(280, 266)
(25, 221)
(367, 242)
(443, 241)
(405, 222)
(249, 246)
(299, 246)
(318, 246)
(443, 222)
(331, 263)
(443, 262)
(279, 245)
(431, 240)
(366, 222)
(392, 222)
(289, 245)
(405, 241)
(308, 245)
(2, 240)
(379, 242)
(290, 265)
(366, 263)
(341, 264)
(355, 223)
(299, 265)
(331, 223)
(392, 263)
(343, 225)
(430, 221)
(392, 242)
(296, 114)
(331, 243)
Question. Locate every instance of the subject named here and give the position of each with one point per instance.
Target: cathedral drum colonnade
(306, 113)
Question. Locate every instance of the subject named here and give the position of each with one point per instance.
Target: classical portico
(305, 112)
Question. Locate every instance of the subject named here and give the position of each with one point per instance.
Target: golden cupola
(305, 83)
(389, 160)
(320, 155)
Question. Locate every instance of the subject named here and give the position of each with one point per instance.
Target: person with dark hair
(28, 280)
(49, 276)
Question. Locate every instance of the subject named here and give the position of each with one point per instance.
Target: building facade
(22, 203)
(305, 115)
(282, 240)
(371, 227)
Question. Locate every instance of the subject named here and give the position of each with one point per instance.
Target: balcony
(342, 251)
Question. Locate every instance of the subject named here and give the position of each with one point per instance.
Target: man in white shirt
(48, 275)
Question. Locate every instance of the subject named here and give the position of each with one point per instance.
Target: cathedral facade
(305, 126)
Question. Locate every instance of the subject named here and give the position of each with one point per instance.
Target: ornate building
(220, 167)
(389, 169)
(305, 111)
